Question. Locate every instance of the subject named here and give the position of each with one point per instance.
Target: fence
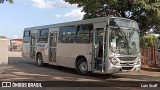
(149, 56)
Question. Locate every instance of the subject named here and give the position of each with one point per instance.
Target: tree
(145, 12)
(2, 37)
(148, 40)
(10, 1)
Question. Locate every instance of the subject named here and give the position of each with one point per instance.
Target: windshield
(158, 42)
(124, 41)
(121, 22)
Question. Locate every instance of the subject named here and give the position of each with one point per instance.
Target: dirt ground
(20, 69)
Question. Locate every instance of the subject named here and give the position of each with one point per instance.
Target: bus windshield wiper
(119, 28)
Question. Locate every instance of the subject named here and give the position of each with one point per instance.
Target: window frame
(66, 35)
(90, 28)
(40, 35)
(26, 37)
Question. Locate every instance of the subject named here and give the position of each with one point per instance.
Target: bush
(148, 40)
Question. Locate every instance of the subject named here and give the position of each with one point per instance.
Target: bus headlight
(138, 62)
(113, 60)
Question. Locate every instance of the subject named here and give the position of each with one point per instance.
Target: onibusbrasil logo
(21, 84)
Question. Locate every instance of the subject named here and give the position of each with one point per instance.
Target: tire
(82, 66)
(39, 60)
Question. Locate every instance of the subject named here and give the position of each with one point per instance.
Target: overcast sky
(28, 13)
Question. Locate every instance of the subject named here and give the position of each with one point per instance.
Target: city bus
(158, 43)
(104, 45)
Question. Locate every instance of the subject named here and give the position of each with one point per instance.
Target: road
(20, 69)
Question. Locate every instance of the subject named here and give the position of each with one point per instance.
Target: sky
(29, 13)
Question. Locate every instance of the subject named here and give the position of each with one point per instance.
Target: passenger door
(33, 46)
(52, 46)
(26, 45)
(99, 47)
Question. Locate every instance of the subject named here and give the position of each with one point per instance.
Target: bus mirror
(120, 34)
(113, 35)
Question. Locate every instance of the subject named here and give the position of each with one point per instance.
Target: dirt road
(20, 69)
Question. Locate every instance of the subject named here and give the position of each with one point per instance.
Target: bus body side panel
(42, 48)
(67, 54)
(26, 50)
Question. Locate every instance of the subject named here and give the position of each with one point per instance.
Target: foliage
(2, 37)
(148, 40)
(10, 1)
(145, 12)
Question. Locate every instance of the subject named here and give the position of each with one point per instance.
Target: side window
(158, 43)
(67, 34)
(26, 37)
(84, 33)
(43, 35)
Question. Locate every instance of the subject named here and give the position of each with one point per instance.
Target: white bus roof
(86, 21)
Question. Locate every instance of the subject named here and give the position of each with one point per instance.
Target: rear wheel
(82, 67)
(39, 60)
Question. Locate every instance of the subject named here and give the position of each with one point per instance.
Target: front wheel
(39, 60)
(82, 67)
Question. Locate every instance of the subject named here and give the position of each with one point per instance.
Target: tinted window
(123, 23)
(84, 33)
(43, 35)
(26, 37)
(26, 33)
(67, 34)
(158, 43)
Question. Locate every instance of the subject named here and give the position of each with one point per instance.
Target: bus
(104, 45)
(158, 51)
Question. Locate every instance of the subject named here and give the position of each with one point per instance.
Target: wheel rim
(39, 60)
(83, 67)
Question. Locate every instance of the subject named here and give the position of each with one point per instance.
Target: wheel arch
(78, 58)
(38, 54)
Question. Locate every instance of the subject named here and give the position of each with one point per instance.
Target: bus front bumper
(130, 68)
(117, 69)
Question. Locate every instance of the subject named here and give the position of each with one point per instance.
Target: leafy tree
(10, 1)
(1, 37)
(148, 40)
(145, 12)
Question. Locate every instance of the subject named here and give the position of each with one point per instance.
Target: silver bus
(103, 45)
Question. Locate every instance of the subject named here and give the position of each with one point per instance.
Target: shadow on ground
(28, 66)
(22, 69)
